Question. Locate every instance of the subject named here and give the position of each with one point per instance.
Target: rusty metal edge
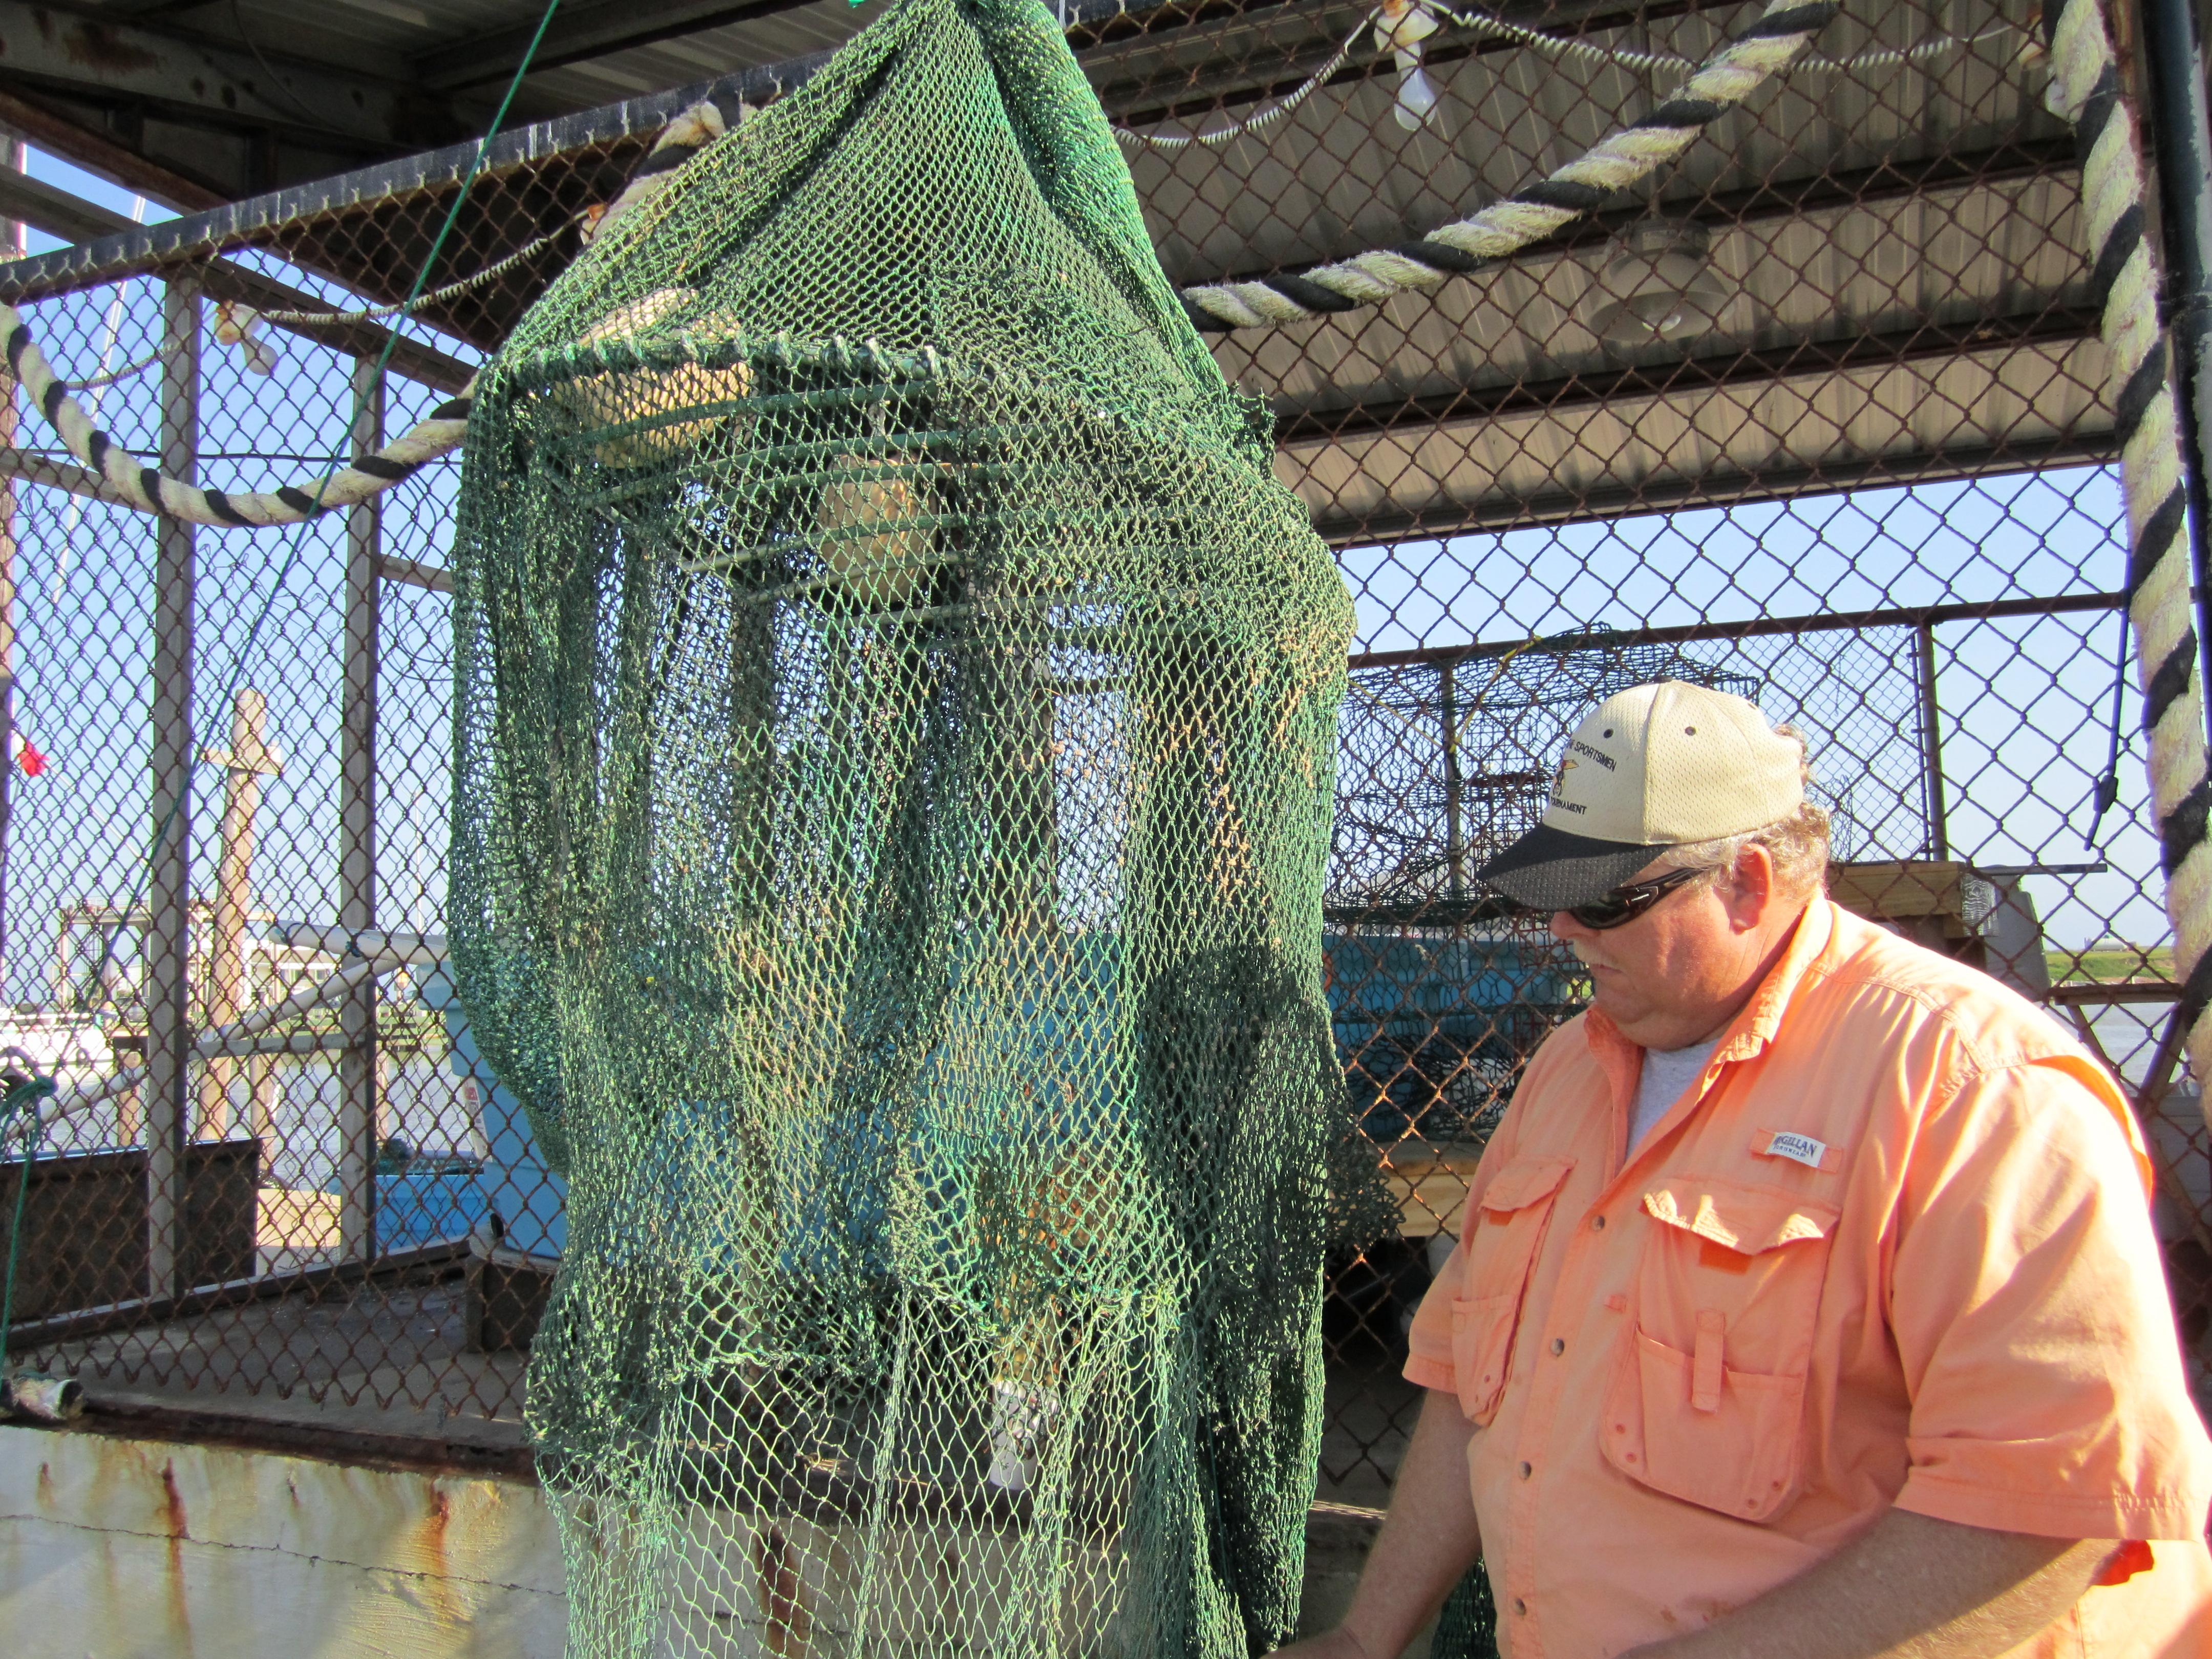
(325, 1443)
(413, 1454)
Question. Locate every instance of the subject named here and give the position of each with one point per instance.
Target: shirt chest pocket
(1706, 1402)
(1506, 1231)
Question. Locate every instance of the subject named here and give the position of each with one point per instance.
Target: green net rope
(895, 712)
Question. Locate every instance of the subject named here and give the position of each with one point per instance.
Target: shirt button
(1520, 1606)
(1559, 1345)
(1527, 1469)
(1597, 1224)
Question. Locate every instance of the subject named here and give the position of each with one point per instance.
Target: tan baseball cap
(1653, 767)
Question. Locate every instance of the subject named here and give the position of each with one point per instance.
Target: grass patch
(2105, 962)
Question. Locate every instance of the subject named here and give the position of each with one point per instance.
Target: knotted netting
(896, 710)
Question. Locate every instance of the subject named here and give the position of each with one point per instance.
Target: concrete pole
(360, 1093)
(168, 932)
(244, 763)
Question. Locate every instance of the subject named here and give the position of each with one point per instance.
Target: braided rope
(439, 433)
(1582, 186)
(1253, 123)
(2085, 86)
(490, 273)
(1552, 46)
(1628, 57)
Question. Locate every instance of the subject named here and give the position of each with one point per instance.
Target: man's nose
(1566, 929)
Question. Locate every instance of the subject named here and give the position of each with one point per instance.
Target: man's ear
(1749, 889)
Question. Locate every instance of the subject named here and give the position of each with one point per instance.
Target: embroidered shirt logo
(1803, 1148)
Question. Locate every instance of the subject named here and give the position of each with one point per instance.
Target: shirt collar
(1754, 1025)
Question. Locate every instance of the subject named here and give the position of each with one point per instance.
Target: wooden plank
(84, 1225)
(230, 1293)
(1430, 1183)
(411, 574)
(2100, 992)
(64, 475)
(1897, 889)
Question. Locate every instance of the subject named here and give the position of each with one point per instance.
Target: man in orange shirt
(1806, 1304)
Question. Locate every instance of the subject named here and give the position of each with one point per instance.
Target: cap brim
(1550, 869)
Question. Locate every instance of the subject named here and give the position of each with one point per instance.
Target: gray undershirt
(1667, 1074)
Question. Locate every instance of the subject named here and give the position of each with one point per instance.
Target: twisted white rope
(1502, 228)
(439, 434)
(2085, 86)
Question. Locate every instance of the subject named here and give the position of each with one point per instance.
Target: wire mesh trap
(896, 709)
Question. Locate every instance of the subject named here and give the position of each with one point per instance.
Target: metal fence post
(168, 933)
(1932, 748)
(11, 247)
(1454, 830)
(2181, 140)
(359, 1075)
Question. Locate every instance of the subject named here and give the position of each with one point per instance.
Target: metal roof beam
(1896, 178)
(103, 157)
(83, 54)
(577, 36)
(1491, 515)
(1694, 376)
(1160, 61)
(42, 206)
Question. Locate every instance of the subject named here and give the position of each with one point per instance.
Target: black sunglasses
(1624, 904)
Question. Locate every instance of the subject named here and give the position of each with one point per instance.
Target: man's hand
(1427, 1542)
(1908, 1588)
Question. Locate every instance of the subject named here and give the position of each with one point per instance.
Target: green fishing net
(895, 712)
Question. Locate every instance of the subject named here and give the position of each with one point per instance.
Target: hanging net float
(638, 413)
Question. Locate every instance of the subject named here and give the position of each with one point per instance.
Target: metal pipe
(414, 949)
(359, 1093)
(2181, 141)
(168, 943)
(243, 1036)
(11, 246)
(2064, 604)
(1454, 833)
(1932, 748)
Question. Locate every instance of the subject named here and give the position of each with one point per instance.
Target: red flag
(28, 757)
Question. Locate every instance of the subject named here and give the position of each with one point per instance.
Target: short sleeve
(1429, 1357)
(2030, 1312)
(1429, 1343)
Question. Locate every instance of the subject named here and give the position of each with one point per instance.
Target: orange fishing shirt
(1894, 1248)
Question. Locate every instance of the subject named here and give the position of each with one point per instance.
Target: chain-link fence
(1815, 413)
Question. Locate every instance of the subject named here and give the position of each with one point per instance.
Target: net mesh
(896, 715)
